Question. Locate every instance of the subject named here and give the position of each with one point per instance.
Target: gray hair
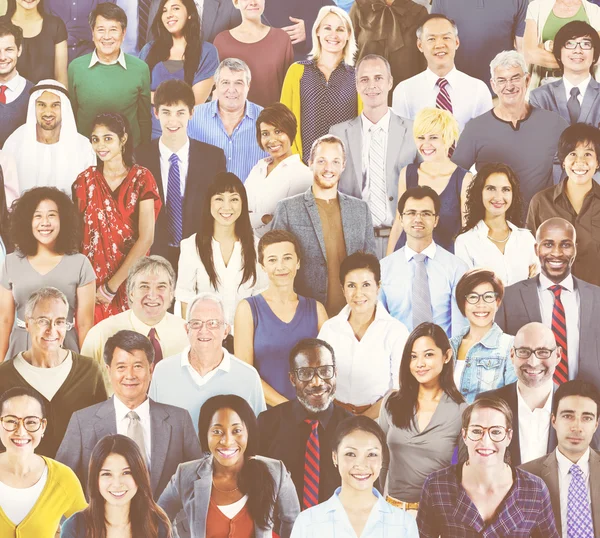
(206, 296)
(235, 65)
(44, 294)
(508, 58)
(434, 16)
(373, 58)
(326, 139)
(149, 265)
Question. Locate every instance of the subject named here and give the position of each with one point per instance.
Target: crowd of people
(299, 269)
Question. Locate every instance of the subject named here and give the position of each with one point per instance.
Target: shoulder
(548, 117)
(276, 467)
(238, 366)
(535, 466)
(74, 526)
(273, 414)
(586, 286)
(296, 70)
(444, 477)
(502, 392)
(197, 147)
(171, 410)
(85, 365)
(62, 475)
(530, 482)
(171, 366)
(81, 62)
(190, 470)
(86, 414)
(411, 83)
(53, 23)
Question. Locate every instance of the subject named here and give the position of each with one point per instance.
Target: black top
(75, 527)
(283, 436)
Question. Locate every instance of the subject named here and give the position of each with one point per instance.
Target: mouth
(318, 393)
(102, 154)
(532, 373)
(227, 453)
(575, 440)
(421, 373)
(441, 54)
(204, 340)
(274, 148)
(45, 232)
(481, 314)
(226, 216)
(427, 152)
(328, 176)
(151, 305)
(418, 227)
(20, 442)
(118, 494)
(580, 171)
(172, 22)
(173, 129)
(130, 385)
(332, 42)
(497, 205)
(360, 302)
(556, 264)
(485, 452)
(361, 477)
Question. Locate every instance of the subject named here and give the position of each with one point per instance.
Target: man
(441, 85)
(14, 89)
(554, 295)
(513, 133)
(48, 150)
(418, 281)
(572, 471)
(576, 96)
(486, 28)
(65, 381)
(380, 144)
(286, 429)
(205, 368)
(164, 433)
(329, 225)
(229, 121)
(108, 80)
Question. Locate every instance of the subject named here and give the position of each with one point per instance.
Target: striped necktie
(174, 203)
(158, 354)
(559, 328)
(311, 467)
(377, 190)
(579, 515)
(143, 22)
(444, 102)
(421, 297)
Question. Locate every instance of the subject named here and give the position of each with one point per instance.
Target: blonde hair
(350, 49)
(436, 120)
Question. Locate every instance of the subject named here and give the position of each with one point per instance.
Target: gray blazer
(401, 150)
(174, 440)
(300, 215)
(190, 488)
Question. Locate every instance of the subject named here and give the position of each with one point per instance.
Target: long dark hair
(402, 404)
(226, 182)
(254, 480)
(11, 7)
(145, 515)
(192, 32)
(118, 124)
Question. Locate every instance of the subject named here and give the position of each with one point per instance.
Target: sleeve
(369, 244)
(149, 190)
(72, 527)
(533, 98)
(399, 102)
(144, 105)
(280, 219)
(465, 154)
(427, 516)
(519, 28)
(186, 288)
(170, 499)
(461, 252)
(287, 503)
(383, 298)
(153, 390)
(485, 103)
(72, 87)
(100, 394)
(289, 53)
(546, 524)
(209, 61)
(299, 529)
(60, 30)
(76, 497)
(533, 214)
(71, 449)
(5, 280)
(11, 178)
(510, 376)
(93, 345)
(86, 272)
(501, 316)
(533, 10)
(401, 336)
(78, 192)
(458, 320)
(412, 530)
(290, 97)
(384, 424)
(436, 7)
(258, 396)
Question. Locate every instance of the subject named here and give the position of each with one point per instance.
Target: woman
(268, 325)
(491, 236)
(368, 342)
(45, 231)
(481, 351)
(120, 495)
(544, 18)
(280, 175)
(238, 493)
(421, 420)
(267, 51)
(494, 498)
(221, 256)
(321, 91)
(44, 53)
(35, 491)
(435, 131)
(359, 450)
(119, 202)
(178, 51)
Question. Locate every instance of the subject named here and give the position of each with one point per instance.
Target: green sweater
(110, 88)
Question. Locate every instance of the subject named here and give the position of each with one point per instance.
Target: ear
(334, 458)
(448, 357)
(124, 139)
(291, 376)
(437, 219)
(227, 330)
(152, 368)
(463, 434)
(420, 45)
(553, 421)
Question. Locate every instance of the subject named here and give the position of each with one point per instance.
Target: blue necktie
(579, 515)
(174, 203)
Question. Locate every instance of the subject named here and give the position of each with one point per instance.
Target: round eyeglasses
(496, 433)
(211, 324)
(44, 323)
(306, 374)
(488, 297)
(11, 423)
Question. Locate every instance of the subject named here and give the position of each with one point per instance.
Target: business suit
(300, 215)
(546, 468)
(173, 440)
(190, 489)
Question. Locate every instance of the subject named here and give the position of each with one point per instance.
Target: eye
(349, 454)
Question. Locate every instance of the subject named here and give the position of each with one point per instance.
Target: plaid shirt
(446, 509)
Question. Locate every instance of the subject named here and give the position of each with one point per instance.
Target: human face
(497, 195)
(130, 375)
(481, 314)
(438, 44)
(116, 483)
(207, 340)
(361, 291)
(581, 164)
(232, 90)
(275, 141)
(151, 296)
(556, 251)
(281, 263)
(48, 111)
(106, 144)
(227, 438)
(431, 147)
(577, 61)
(315, 395)
(45, 224)
(21, 441)
(48, 339)
(250, 9)
(28, 4)
(359, 458)
(328, 165)
(174, 118)
(427, 361)
(108, 37)
(510, 84)
(419, 227)
(373, 83)
(575, 423)
(333, 34)
(534, 372)
(9, 54)
(226, 208)
(485, 451)
(174, 16)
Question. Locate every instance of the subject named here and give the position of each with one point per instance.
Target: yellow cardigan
(62, 496)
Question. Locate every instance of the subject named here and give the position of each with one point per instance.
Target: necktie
(143, 12)
(573, 106)
(579, 515)
(311, 467)
(444, 102)
(3, 94)
(174, 202)
(136, 432)
(421, 299)
(158, 354)
(377, 190)
(559, 328)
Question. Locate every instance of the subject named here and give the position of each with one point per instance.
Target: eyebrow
(585, 413)
(234, 424)
(370, 448)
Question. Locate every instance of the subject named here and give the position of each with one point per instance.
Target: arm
(144, 107)
(7, 319)
(382, 420)
(510, 375)
(396, 230)
(290, 97)
(280, 218)
(458, 320)
(85, 310)
(202, 90)
(369, 241)
(467, 181)
(72, 89)
(186, 289)
(322, 316)
(534, 51)
(546, 524)
(460, 251)
(287, 505)
(465, 154)
(61, 58)
(519, 44)
(428, 516)
(170, 499)
(70, 452)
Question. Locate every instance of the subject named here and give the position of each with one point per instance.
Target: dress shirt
(534, 428)
(120, 60)
(201, 380)
(444, 270)
(199, 6)
(569, 297)
(564, 481)
(130, 41)
(14, 88)
(184, 157)
(143, 411)
(369, 367)
(582, 87)
(470, 97)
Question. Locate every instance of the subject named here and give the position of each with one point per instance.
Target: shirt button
(74, 18)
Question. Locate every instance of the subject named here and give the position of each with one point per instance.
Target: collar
(249, 109)
(523, 404)
(384, 123)
(334, 505)
(300, 413)
(13, 83)
(140, 327)
(224, 365)
(432, 78)
(519, 122)
(582, 85)
(482, 229)
(544, 282)
(565, 464)
(183, 153)
(120, 60)
(380, 313)
(121, 410)
(559, 190)
(490, 340)
(292, 160)
(429, 251)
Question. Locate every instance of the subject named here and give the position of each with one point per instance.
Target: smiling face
(427, 361)
(45, 224)
(48, 111)
(106, 144)
(575, 423)
(481, 314)
(275, 141)
(20, 440)
(581, 164)
(373, 83)
(359, 459)
(108, 37)
(47, 339)
(173, 118)
(227, 438)
(226, 208)
(232, 90)
(130, 375)
(9, 54)
(534, 372)
(315, 395)
(556, 251)
(361, 290)
(151, 296)
(281, 263)
(431, 147)
(485, 451)
(577, 61)
(206, 340)
(438, 44)
(333, 34)
(497, 195)
(174, 16)
(116, 483)
(510, 84)
(419, 227)
(250, 9)
(327, 165)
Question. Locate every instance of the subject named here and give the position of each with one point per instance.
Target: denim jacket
(487, 364)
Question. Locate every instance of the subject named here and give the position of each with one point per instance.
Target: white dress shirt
(470, 97)
(366, 368)
(143, 411)
(200, 7)
(570, 300)
(582, 87)
(184, 160)
(14, 88)
(120, 60)
(534, 428)
(202, 380)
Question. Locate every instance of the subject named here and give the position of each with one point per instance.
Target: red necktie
(158, 354)
(559, 328)
(3, 94)
(311, 467)
(444, 102)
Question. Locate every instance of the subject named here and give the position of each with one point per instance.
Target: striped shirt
(241, 148)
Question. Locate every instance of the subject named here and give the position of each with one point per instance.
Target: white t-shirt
(232, 510)
(46, 381)
(16, 503)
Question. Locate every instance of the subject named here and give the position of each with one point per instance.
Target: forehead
(174, 107)
(206, 309)
(279, 249)
(360, 439)
(498, 180)
(49, 308)
(437, 27)
(508, 71)
(225, 417)
(482, 287)
(419, 204)
(7, 41)
(102, 130)
(120, 356)
(535, 337)
(579, 404)
(313, 357)
(580, 38)
(329, 150)
(170, 3)
(228, 74)
(423, 343)
(115, 462)
(106, 23)
(48, 98)
(158, 275)
(359, 275)
(556, 232)
(372, 67)
(47, 205)
(486, 417)
(331, 19)
(21, 406)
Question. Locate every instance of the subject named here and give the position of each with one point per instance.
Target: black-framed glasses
(411, 214)
(515, 79)
(45, 323)
(488, 297)
(211, 324)
(306, 373)
(584, 44)
(542, 353)
(11, 423)
(496, 433)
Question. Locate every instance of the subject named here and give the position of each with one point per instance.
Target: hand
(549, 45)
(266, 219)
(533, 270)
(296, 31)
(100, 298)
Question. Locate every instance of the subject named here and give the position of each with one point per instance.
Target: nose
(21, 428)
(316, 381)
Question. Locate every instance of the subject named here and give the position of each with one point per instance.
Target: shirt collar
(483, 229)
(333, 504)
(288, 161)
(249, 109)
(121, 410)
(120, 60)
(13, 83)
(523, 404)
(432, 78)
(559, 190)
(568, 283)
(140, 327)
(429, 251)
(301, 413)
(182, 154)
(565, 464)
(224, 365)
(582, 86)
(384, 123)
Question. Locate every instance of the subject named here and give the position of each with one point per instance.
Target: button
(391, 198)
(74, 18)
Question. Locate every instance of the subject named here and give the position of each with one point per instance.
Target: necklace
(500, 240)
(223, 490)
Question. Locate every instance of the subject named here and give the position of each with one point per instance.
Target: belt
(382, 231)
(400, 504)
(20, 323)
(354, 409)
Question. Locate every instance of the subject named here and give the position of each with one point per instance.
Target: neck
(174, 141)
(26, 14)
(279, 160)
(114, 167)
(512, 113)
(495, 222)
(47, 137)
(330, 59)
(146, 320)
(117, 516)
(224, 233)
(573, 457)
(487, 477)
(179, 41)
(282, 294)
(436, 166)
(251, 25)
(206, 362)
(324, 194)
(20, 463)
(356, 499)
(430, 391)
(476, 334)
(375, 114)
(108, 58)
(578, 191)
(536, 397)
(46, 251)
(418, 245)
(364, 319)
(45, 359)
(576, 78)
(229, 473)
(132, 403)
(8, 76)
(441, 71)
(231, 116)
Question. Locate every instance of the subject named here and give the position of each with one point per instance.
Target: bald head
(558, 224)
(531, 370)
(534, 335)
(556, 249)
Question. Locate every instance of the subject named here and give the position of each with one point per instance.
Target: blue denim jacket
(487, 364)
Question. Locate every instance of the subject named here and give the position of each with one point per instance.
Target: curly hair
(21, 217)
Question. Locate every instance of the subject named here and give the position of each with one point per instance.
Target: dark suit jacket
(205, 162)
(174, 440)
(546, 468)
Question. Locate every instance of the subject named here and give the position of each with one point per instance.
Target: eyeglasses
(412, 214)
(501, 82)
(584, 44)
(45, 323)
(11, 423)
(211, 324)
(488, 297)
(306, 374)
(541, 352)
(497, 433)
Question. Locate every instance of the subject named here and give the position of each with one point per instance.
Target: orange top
(218, 525)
